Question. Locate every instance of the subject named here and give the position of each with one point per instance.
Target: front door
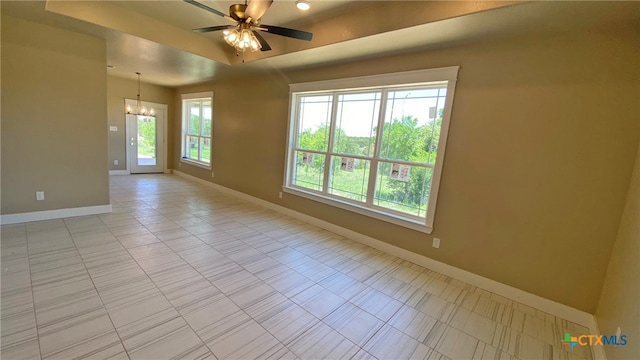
(145, 141)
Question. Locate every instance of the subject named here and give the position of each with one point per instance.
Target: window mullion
(200, 130)
(298, 118)
(327, 160)
(373, 171)
(293, 146)
(184, 129)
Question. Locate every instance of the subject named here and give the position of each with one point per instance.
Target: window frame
(383, 83)
(201, 96)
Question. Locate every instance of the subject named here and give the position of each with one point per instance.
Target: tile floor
(178, 270)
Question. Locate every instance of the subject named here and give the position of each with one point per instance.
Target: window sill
(379, 215)
(196, 163)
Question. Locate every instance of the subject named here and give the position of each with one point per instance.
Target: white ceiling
(155, 37)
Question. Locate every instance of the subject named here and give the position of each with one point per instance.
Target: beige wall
(541, 147)
(248, 136)
(53, 118)
(620, 299)
(119, 89)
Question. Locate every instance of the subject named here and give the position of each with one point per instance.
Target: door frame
(161, 110)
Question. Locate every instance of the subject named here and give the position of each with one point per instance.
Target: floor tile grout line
(33, 299)
(115, 330)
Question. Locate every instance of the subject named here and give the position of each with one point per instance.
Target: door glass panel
(146, 141)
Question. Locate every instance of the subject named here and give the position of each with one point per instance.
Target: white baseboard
(119, 172)
(53, 214)
(526, 298)
(126, 172)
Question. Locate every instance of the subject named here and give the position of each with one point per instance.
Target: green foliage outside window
(146, 137)
(403, 139)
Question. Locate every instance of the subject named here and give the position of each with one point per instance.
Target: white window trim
(400, 79)
(198, 95)
(195, 163)
(191, 96)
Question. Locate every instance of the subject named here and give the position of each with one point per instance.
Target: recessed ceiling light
(303, 5)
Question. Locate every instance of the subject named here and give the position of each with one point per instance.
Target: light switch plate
(113, 128)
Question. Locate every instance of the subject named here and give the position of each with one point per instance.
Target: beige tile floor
(179, 270)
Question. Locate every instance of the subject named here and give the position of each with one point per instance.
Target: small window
(375, 149)
(197, 128)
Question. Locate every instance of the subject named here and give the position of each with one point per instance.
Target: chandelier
(140, 109)
(242, 38)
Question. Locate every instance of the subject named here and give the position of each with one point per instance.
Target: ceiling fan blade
(213, 28)
(257, 8)
(262, 41)
(292, 33)
(205, 7)
(209, 9)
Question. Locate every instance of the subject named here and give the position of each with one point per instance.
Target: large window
(373, 145)
(197, 124)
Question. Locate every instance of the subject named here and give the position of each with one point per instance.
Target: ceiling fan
(243, 35)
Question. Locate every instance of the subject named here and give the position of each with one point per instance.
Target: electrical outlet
(39, 195)
(212, 174)
(115, 162)
(280, 194)
(436, 243)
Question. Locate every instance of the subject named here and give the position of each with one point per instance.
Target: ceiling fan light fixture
(255, 45)
(303, 5)
(231, 37)
(245, 37)
(241, 40)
